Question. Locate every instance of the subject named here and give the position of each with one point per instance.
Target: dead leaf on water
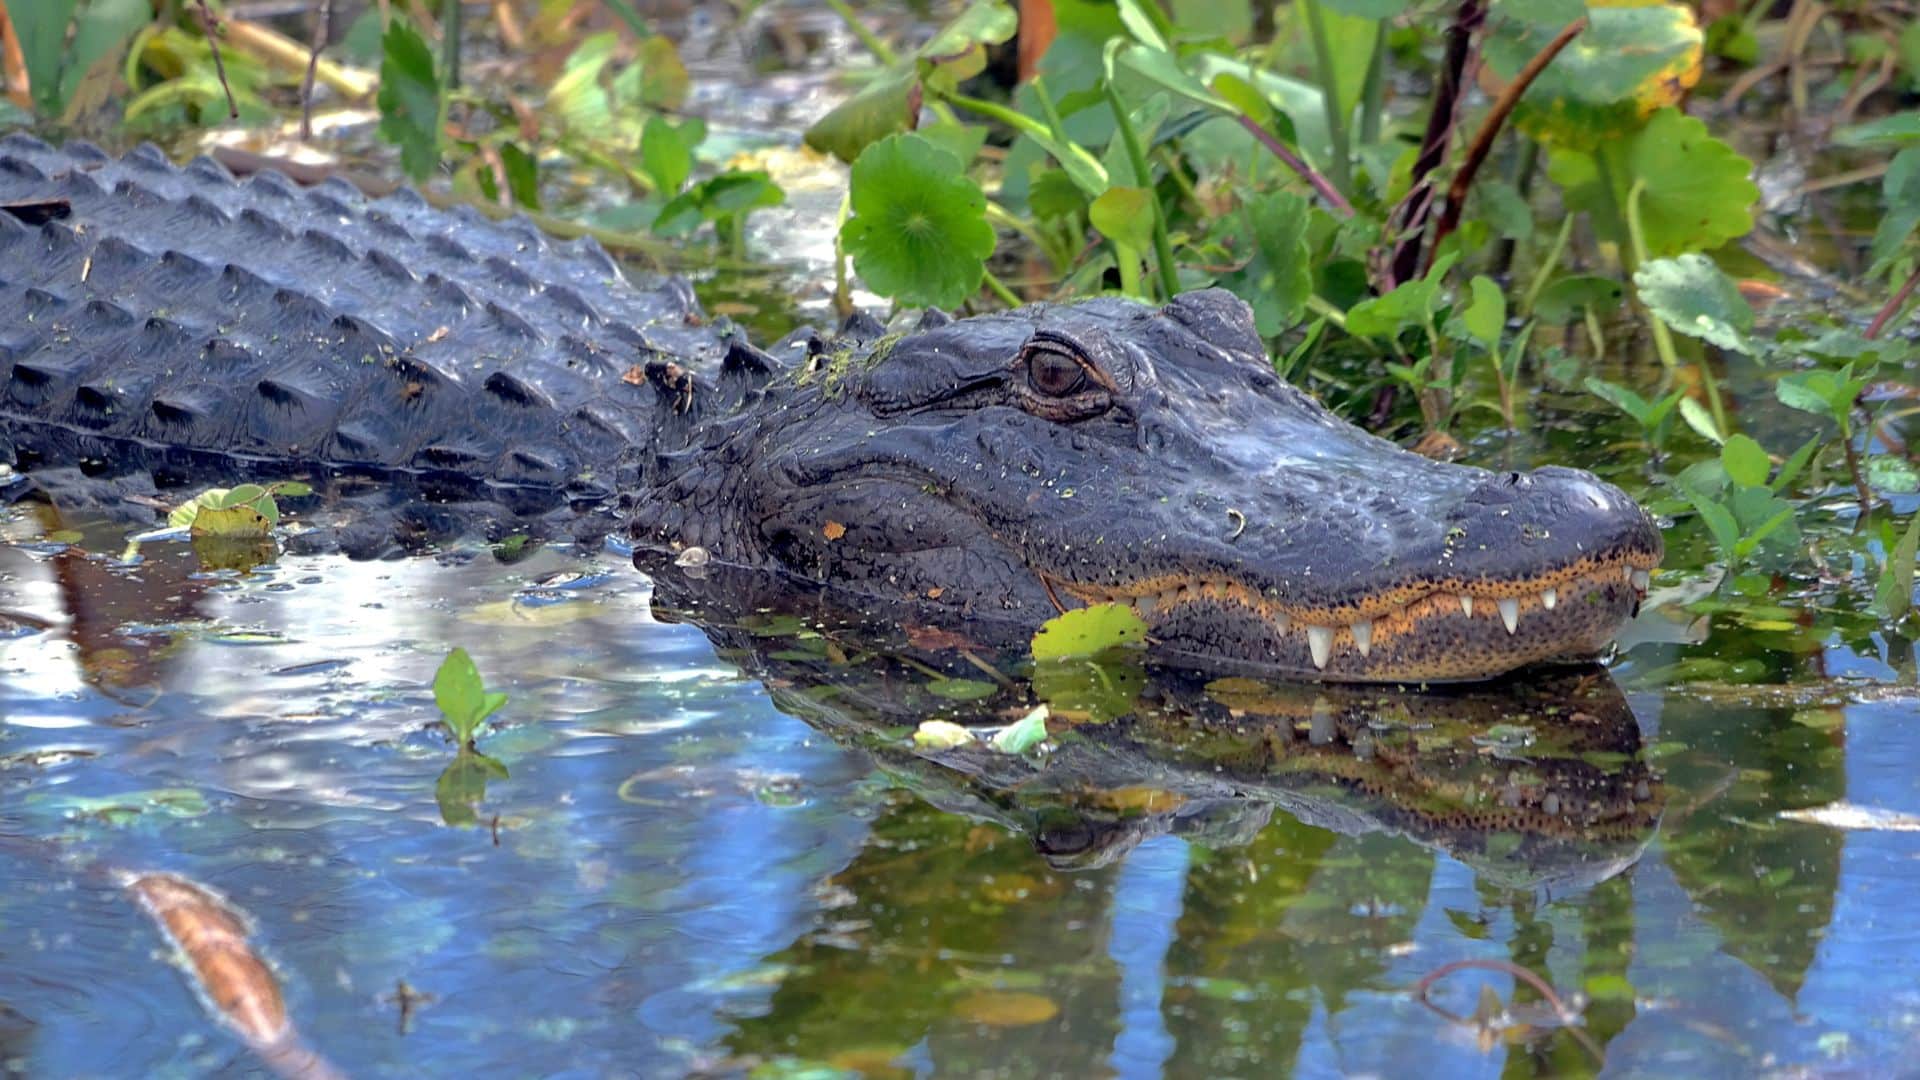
(833, 530)
(1008, 1008)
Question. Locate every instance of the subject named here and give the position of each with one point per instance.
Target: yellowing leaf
(1087, 631)
(1630, 62)
(941, 735)
(1006, 1008)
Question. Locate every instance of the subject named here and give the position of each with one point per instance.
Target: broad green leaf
(40, 26)
(1088, 631)
(1700, 420)
(1408, 306)
(103, 28)
(1719, 522)
(1697, 191)
(1277, 276)
(409, 98)
(1691, 294)
(1745, 460)
(1367, 9)
(1903, 127)
(940, 735)
(919, 231)
(1552, 14)
(961, 140)
(523, 175)
(662, 79)
(1900, 195)
(1486, 315)
(1142, 24)
(1790, 470)
(1627, 64)
(465, 702)
(1023, 734)
(666, 151)
(1124, 215)
(1231, 20)
(1160, 68)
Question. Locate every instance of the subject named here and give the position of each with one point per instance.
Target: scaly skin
(987, 472)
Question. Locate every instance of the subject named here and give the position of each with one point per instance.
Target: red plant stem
(1293, 161)
(1490, 128)
(1410, 217)
(1893, 306)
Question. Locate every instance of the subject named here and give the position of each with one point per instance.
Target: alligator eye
(1053, 369)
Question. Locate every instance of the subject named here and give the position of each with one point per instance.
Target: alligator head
(1002, 467)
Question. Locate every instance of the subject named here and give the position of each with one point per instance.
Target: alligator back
(176, 313)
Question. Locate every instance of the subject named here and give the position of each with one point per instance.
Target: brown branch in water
(1293, 161)
(1490, 127)
(1567, 1016)
(313, 66)
(207, 23)
(1893, 306)
(1410, 217)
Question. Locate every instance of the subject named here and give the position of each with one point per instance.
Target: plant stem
(1329, 94)
(999, 288)
(1547, 266)
(450, 42)
(1373, 91)
(880, 50)
(1137, 156)
(313, 69)
(1634, 252)
(1490, 127)
(1892, 306)
(1408, 222)
(1325, 309)
(1319, 183)
(207, 23)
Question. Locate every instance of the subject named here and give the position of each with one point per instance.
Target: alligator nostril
(1515, 479)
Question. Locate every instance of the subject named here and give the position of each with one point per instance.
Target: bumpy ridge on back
(177, 308)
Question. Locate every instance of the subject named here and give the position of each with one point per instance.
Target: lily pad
(1088, 631)
(919, 229)
(1696, 192)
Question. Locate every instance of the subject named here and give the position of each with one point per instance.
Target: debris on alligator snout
(212, 937)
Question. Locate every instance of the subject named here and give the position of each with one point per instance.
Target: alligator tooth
(1147, 605)
(1320, 643)
(1509, 612)
(1466, 605)
(1363, 636)
(1641, 579)
(1320, 729)
(1282, 620)
(1549, 597)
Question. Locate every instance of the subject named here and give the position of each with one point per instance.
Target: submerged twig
(1567, 1016)
(313, 66)
(1293, 161)
(1490, 128)
(207, 22)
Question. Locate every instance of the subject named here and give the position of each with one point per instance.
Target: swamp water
(720, 853)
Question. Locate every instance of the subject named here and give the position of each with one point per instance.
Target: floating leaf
(1891, 474)
(1024, 734)
(1006, 1008)
(1690, 294)
(919, 231)
(1088, 631)
(940, 735)
(962, 689)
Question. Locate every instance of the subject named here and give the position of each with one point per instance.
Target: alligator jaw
(1445, 632)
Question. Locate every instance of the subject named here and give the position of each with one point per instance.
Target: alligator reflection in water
(1534, 782)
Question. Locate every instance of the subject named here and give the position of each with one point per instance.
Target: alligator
(163, 325)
